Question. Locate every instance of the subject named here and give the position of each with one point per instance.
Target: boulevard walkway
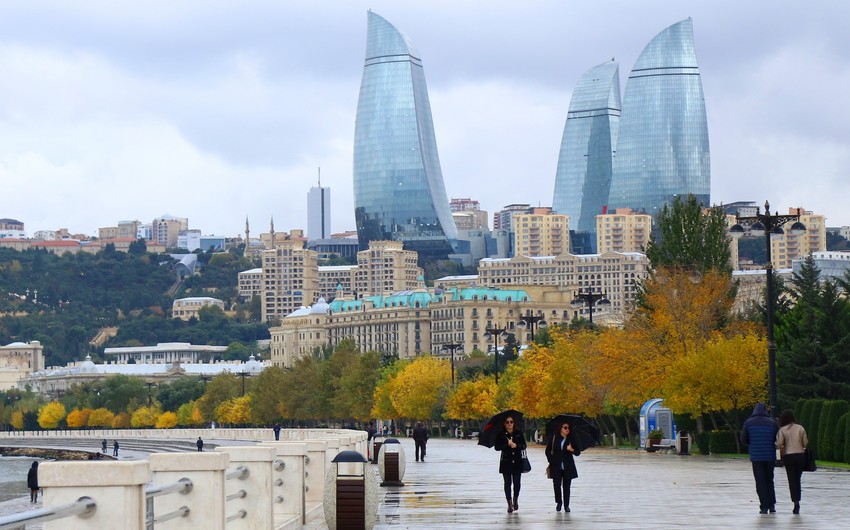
(459, 487)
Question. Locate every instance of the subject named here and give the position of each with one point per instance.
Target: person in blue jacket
(759, 433)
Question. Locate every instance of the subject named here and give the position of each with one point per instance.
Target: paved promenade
(459, 487)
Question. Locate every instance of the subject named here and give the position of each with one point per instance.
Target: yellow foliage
(166, 420)
(18, 420)
(76, 419)
(51, 414)
(197, 415)
(420, 388)
(236, 411)
(145, 417)
(472, 399)
(101, 417)
(121, 421)
(728, 373)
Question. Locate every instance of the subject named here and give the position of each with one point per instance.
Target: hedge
(722, 442)
(841, 454)
(811, 421)
(701, 439)
(798, 409)
(827, 448)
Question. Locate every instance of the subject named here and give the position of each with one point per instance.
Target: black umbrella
(585, 431)
(496, 425)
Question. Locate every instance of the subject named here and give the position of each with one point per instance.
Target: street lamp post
(494, 332)
(453, 347)
(590, 299)
(149, 385)
(530, 321)
(769, 225)
(243, 374)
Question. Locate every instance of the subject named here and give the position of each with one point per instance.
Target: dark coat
(759, 432)
(32, 477)
(420, 435)
(559, 458)
(511, 460)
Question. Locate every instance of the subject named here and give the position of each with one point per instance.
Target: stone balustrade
(269, 485)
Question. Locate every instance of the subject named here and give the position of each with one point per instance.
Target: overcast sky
(217, 111)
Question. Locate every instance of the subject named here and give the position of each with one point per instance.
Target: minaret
(247, 235)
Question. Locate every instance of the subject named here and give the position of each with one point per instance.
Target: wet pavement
(458, 486)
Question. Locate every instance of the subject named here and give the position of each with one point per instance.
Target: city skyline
(214, 112)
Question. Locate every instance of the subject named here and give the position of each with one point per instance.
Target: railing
(273, 484)
(82, 507)
(182, 486)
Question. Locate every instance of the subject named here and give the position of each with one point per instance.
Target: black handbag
(810, 464)
(526, 465)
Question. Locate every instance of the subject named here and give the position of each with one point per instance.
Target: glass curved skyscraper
(662, 149)
(585, 165)
(398, 185)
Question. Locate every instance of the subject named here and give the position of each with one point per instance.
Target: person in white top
(791, 440)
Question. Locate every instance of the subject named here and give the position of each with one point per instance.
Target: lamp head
(757, 229)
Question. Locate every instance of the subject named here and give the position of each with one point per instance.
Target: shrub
(840, 439)
(701, 439)
(832, 411)
(798, 410)
(722, 442)
(812, 411)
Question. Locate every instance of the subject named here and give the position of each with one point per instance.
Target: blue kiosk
(655, 416)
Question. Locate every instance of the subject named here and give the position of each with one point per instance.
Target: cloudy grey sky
(216, 111)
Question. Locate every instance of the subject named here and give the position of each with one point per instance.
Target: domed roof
(320, 308)
(253, 366)
(300, 312)
(87, 366)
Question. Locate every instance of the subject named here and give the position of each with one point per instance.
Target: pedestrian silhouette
(103, 445)
(32, 482)
(276, 430)
(200, 444)
(115, 448)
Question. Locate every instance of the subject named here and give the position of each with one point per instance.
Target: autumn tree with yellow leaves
(472, 400)
(51, 414)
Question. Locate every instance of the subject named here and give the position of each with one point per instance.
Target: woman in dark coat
(560, 451)
(511, 443)
(32, 482)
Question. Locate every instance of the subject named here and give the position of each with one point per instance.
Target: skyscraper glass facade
(662, 146)
(585, 163)
(398, 185)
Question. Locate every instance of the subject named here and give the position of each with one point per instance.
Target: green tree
(122, 393)
(178, 392)
(267, 389)
(690, 238)
(221, 388)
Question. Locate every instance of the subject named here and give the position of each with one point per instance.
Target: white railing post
(206, 501)
(258, 486)
(290, 493)
(117, 488)
(314, 471)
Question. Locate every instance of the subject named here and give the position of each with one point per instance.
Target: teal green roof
(483, 293)
(425, 299)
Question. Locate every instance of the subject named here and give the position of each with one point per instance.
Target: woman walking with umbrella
(511, 443)
(560, 450)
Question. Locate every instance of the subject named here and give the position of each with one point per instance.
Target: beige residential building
(290, 279)
(386, 268)
(128, 229)
(613, 274)
(250, 283)
(186, 308)
(336, 280)
(18, 360)
(165, 229)
(541, 233)
(107, 232)
(786, 248)
(623, 231)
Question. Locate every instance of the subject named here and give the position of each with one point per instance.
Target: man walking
(103, 445)
(200, 444)
(759, 433)
(276, 430)
(115, 448)
(420, 438)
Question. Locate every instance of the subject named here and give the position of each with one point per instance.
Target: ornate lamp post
(530, 321)
(453, 347)
(590, 299)
(769, 225)
(494, 332)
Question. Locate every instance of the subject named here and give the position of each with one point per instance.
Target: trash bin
(684, 443)
(391, 463)
(376, 448)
